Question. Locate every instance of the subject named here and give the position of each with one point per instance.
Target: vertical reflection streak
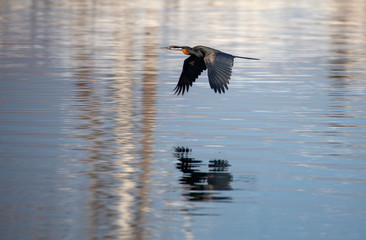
(125, 130)
(134, 205)
(148, 117)
(90, 128)
(344, 61)
(104, 43)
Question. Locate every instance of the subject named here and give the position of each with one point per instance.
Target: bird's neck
(196, 52)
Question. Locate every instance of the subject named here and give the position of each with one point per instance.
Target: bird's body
(218, 64)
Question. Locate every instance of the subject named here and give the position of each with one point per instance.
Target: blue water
(91, 134)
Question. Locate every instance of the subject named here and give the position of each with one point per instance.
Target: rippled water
(94, 145)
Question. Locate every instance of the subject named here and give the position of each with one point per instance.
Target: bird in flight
(218, 64)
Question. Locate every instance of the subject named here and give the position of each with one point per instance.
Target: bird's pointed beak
(177, 48)
(174, 48)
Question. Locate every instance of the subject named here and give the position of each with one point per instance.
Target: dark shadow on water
(203, 185)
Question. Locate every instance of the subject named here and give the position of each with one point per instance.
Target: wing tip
(179, 90)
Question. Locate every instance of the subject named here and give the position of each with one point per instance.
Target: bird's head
(186, 50)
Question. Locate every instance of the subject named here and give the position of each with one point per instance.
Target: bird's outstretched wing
(219, 67)
(192, 68)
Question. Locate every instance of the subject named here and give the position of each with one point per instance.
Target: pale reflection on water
(89, 125)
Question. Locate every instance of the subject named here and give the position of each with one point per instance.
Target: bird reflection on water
(203, 185)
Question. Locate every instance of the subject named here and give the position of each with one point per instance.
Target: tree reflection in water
(203, 185)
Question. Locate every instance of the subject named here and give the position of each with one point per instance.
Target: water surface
(95, 145)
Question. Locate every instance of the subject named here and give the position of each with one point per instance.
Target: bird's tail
(247, 58)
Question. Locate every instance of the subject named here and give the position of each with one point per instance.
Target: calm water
(94, 145)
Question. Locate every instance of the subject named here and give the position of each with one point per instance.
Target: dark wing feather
(219, 67)
(192, 68)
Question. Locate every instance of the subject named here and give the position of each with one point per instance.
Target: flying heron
(219, 65)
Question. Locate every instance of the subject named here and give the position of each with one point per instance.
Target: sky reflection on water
(89, 124)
